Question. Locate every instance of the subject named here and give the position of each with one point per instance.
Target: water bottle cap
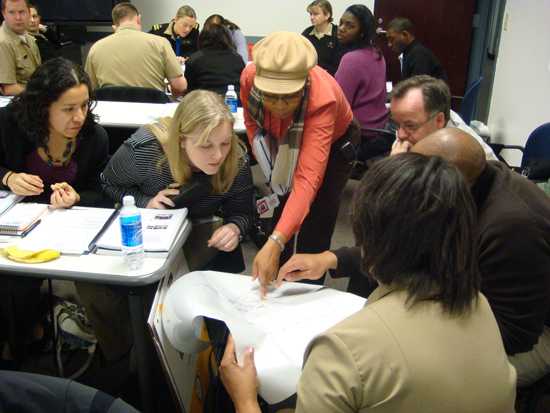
(230, 87)
(128, 200)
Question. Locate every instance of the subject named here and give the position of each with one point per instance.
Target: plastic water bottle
(131, 233)
(231, 99)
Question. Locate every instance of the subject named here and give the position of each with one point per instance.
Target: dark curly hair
(31, 108)
(367, 27)
(414, 220)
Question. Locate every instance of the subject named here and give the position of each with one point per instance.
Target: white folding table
(107, 269)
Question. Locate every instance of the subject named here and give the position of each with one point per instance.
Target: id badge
(266, 205)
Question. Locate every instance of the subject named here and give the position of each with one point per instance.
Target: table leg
(141, 347)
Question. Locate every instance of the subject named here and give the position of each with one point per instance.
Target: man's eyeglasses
(410, 127)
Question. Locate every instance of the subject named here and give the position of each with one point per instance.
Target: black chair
(375, 144)
(131, 94)
(117, 135)
(535, 161)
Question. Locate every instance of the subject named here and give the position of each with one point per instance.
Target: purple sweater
(362, 77)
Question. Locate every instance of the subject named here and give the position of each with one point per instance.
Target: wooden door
(444, 26)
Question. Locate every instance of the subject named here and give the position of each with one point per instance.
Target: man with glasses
(421, 105)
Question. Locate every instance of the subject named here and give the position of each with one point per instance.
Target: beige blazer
(390, 358)
(130, 57)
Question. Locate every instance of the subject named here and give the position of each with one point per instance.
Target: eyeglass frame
(415, 128)
(274, 98)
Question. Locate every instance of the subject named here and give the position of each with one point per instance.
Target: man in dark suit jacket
(416, 58)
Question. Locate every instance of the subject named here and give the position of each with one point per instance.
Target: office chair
(375, 144)
(468, 105)
(117, 135)
(535, 161)
(131, 94)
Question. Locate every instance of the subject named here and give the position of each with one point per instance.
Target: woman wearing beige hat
(299, 124)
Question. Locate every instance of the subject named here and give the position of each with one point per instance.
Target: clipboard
(179, 368)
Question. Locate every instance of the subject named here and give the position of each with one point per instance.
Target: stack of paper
(159, 226)
(278, 327)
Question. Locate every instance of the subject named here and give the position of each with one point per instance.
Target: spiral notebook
(21, 218)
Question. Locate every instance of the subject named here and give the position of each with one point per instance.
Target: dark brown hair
(5, 1)
(46, 85)
(414, 220)
(214, 36)
(219, 19)
(436, 93)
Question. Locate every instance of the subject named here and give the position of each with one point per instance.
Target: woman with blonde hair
(182, 32)
(196, 148)
(323, 35)
(196, 144)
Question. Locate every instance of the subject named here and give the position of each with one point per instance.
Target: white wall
(255, 18)
(521, 91)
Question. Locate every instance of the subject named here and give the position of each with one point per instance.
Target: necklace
(65, 157)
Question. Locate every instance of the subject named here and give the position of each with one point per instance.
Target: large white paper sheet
(278, 327)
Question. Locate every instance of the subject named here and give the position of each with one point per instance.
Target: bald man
(514, 251)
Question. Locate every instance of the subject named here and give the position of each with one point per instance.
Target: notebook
(21, 218)
(160, 228)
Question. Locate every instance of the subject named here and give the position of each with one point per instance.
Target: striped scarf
(284, 151)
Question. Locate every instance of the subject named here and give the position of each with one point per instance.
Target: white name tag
(266, 205)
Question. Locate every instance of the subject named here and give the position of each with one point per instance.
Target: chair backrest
(131, 94)
(468, 105)
(537, 145)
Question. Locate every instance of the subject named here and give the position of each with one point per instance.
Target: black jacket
(91, 155)
(213, 70)
(188, 44)
(419, 60)
(328, 49)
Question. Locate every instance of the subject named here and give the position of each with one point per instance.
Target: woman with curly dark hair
(51, 146)
(51, 150)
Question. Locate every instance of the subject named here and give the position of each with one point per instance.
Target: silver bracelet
(277, 241)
